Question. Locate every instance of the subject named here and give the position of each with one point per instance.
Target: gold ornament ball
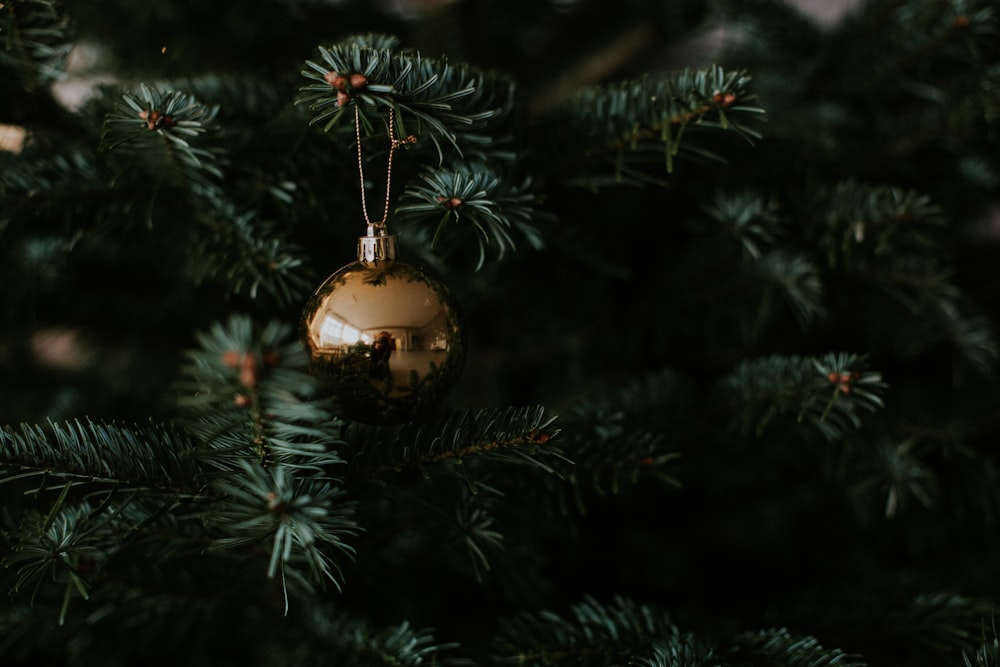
(384, 335)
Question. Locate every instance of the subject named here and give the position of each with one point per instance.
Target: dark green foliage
(592, 633)
(780, 647)
(728, 275)
(477, 199)
(988, 653)
(35, 41)
(826, 393)
(147, 457)
(433, 99)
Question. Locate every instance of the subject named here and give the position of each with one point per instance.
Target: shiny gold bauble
(384, 335)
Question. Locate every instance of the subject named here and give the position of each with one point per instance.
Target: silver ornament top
(377, 249)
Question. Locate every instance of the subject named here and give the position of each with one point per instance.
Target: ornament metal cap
(377, 249)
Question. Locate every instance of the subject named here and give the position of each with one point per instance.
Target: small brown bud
(450, 203)
(723, 99)
(241, 400)
(842, 380)
(155, 120)
(342, 98)
(231, 358)
(961, 21)
(336, 80)
(274, 503)
(270, 358)
(538, 437)
(358, 80)
(248, 374)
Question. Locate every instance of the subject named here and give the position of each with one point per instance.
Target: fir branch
(475, 525)
(34, 41)
(891, 237)
(593, 633)
(157, 129)
(918, 466)
(828, 392)
(513, 435)
(797, 280)
(749, 217)
(896, 472)
(246, 395)
(620, 437)
(907, 38)
(869, 226)
(72, 187)
(472, 199)
(942, 624)
(683, 651)
(59, 548)
(432, 99)
(133, 612)
(339, 638)
(780, 647)
(974, 337)
(610, 449)
(248, 255)
(988, 652)
(156, 458)
(79, 548)
(651, 116)
(303, 519)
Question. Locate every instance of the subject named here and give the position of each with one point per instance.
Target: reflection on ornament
(384, 335)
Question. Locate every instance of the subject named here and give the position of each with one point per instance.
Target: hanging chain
(393, 145)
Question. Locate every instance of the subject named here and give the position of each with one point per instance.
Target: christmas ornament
(384, 335)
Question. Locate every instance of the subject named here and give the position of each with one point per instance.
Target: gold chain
(393, 145)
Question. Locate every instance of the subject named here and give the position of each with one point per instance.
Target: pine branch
(752, 219)
(80, 549)
(942, 624)
(988, 653)
(910, 37)
(156, 459)
(827, 393)
(472, 199)
(156, 129)
(341, 639)
(967, 115)
(34, 41)
(133, 611)
(262, 427)
(684, 651)
(892, 238)
(247, 255)
(865, 227)
(625, 124)
(592, 633)
(932, 463)
(620, 437)
(896, 472)
(71, 187)
(304, 520)
(432, 99)
(247, 396)
(514, 435)
(780, 647)
(796, 280)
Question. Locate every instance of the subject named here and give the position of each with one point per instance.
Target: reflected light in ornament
(384, 336)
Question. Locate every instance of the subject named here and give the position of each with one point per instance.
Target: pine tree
(726, 274)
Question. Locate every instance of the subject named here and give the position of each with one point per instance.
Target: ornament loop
(377, 249)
